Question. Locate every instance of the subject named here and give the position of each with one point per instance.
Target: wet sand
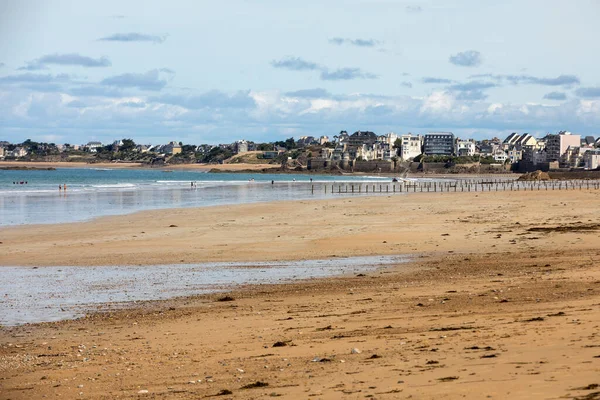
(503, 301)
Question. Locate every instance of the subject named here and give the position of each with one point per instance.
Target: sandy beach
(502, 300)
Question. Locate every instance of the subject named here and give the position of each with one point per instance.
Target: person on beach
(272, 182)
(59, 188)
(65, 186)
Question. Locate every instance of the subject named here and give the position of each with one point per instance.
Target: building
(411, 146)
(591, 159)
(510, 141)
(388, 138)
(306, 141)
(323, 140)
(92, 147)
(172, 148)
(438, 144)
(241, 146)
(359, 138)
(557, 145)
(465, 148)
(1, 152)
(18, 152)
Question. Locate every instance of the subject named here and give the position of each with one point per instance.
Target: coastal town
(361, 151)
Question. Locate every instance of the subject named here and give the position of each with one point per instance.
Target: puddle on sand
(30, 294)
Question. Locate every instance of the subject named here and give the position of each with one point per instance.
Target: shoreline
(231, 168)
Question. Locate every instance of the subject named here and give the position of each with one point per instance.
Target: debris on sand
(448, 378)
(257, 384)
(535, 176)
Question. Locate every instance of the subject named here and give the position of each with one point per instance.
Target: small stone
(143, 391)
(355, 351)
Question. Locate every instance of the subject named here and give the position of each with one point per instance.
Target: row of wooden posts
(454, 186)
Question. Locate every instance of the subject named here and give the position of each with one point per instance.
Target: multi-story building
(411, 146)
(557, 145)
(465, 148)
(438, 144)
(388, 138)
(172, 148)
(241, 146)
(591, 159)
(359, 138)
(92, 147)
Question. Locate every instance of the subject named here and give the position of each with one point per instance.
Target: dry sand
(502, 301)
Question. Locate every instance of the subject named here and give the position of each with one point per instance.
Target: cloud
(150, 80)
(406, 84)
(76, 104)
(429, 79)
(555, 96)
(561, 80)
(310, 93)
(35, 78)
(295, 64)
(413, 9)
(134, 37)
(133, 104)
(354, 42)
(588, 92)
(472, 85)
(471, 95)
(343, 74)
(212, 99)
(72, 59)
(471, 91)
(470, 58)
(94, 90)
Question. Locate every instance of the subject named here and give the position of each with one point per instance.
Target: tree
(127, 146)
(395, 161)
(397, 145)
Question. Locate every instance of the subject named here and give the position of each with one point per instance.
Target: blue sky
(214, 72)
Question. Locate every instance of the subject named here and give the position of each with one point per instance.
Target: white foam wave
(114, 186)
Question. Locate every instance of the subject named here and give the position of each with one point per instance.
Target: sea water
(34, 197)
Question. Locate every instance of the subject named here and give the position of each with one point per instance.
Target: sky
(265, 70)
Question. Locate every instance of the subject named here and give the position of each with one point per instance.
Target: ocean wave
(114, 185)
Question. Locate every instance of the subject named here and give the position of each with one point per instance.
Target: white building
(411, 146)
(93, 146)
(465, 148)
(591, 159)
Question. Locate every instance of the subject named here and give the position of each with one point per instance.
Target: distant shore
(223, 168)
(132, 165)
